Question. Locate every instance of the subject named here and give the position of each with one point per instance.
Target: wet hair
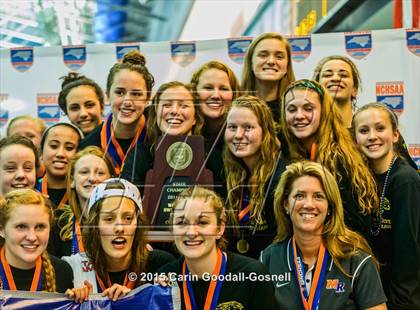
(357, 80)
(29, 197)
(38, 121)
(248, 76)
(335, 146)
(214, 64)
(237, 172)
(73, 80)
(92, 239)
(73, 208)
(153, 130)
(340, 241)
(197, 192)
(132, 61)
(19, 140)
(69, 125)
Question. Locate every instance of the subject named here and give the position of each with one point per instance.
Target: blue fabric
(144, 297)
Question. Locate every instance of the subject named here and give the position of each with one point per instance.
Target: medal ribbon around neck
(313, 151)
(127, 282)
(310, 301)
(215, 287)
(43, 188)
(245, 202)
(7, 276)
(111, 146)
(76, 242)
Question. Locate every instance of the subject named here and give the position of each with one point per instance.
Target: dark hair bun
(71, 77)
(134, 57)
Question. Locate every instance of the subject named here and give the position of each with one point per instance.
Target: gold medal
(242, 246)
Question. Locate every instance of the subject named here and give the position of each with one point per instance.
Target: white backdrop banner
(389, 62)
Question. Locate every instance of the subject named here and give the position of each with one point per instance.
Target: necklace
(376, 226)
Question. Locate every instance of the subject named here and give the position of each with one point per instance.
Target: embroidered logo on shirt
(230, 305)
(335, 284)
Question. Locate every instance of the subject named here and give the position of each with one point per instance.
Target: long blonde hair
(236, 170)
(340, 241)
(335, 147)
(248, 76)
(29, 197)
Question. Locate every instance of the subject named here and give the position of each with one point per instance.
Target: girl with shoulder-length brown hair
(114, 238)
(25, 221)
(268, 69)
(252, 168)
(313, 130)
(313, 239)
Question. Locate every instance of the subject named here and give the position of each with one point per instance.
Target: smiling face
(195, 229)
(303, 114)
(375, 136)
(128, 97)
(17, 168)
(215, 93)
(307, 205)
(269, 60)
(59, 147)
(176, 112)
(117, 228)
(26, 235)
(89, 171)
(83, 108)
(244, 135)
(336, 76)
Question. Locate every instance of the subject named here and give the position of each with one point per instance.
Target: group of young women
(323, 194)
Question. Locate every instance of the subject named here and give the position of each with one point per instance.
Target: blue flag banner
(144, 297)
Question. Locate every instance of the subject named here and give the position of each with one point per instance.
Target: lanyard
(313, 151)
(310, 301)
(127, 282)
(43, 188)
(7, 276)
(215, 287)
(111, 146)
(245, 205)
(76, 242)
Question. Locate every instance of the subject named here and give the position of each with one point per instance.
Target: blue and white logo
(413, 41)
(301, 47)
(237, 48)
(122, 49)
(183, 53)
(74, 57)
(22, 58)
(358, 44)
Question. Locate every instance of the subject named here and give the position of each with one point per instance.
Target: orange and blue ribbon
(42, 187)
(111, 146)
(245, 210)
(310, 301)
(7, 276)
(77, 242)
(101, 286)
(215, 287)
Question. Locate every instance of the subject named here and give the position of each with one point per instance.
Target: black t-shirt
(397, 247)
(62, 270)
(56, 195)
(275, 108)
(56, 246)
(244, 293)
